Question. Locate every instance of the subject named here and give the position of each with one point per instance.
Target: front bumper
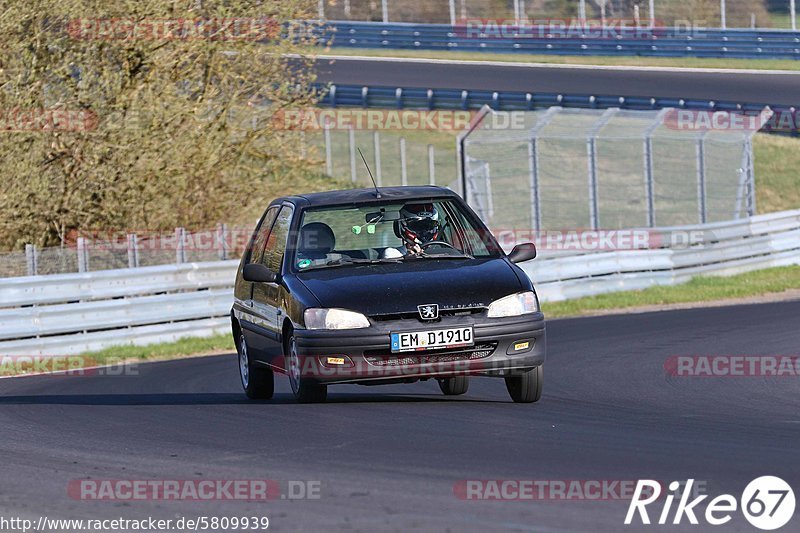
(502, 346)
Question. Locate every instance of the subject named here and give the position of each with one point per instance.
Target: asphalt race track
(388, 457)
(750, 87)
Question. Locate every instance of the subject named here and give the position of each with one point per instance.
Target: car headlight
(521, 303)
(316, 318)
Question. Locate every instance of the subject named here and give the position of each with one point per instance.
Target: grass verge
(776, 160)
(701, 289)
(188, 346)
(622, 61)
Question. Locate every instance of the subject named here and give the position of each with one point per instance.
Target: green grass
(634, 61)
(781, 21)
(699, 289)
(118, 355)
(777, 171)
(170, 350)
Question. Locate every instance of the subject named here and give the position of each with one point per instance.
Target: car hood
(399, 288)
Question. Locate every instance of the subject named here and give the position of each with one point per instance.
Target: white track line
(400, 59)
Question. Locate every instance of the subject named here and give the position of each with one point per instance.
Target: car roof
(367, 195)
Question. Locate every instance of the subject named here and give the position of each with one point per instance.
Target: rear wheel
(258, 382)
(454, 386)
(304, 391)
(526, 387)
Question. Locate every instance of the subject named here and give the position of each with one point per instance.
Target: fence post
(793, 14)
(452, 12)
(180, 251)
(533, 166)
(321, 9)
(751, 181)
(222, 242)
(591, 151)
(516, 12)
(32, 259)
(347, 8)
(582, 13)
(700, 149)
(648, 181)
(431, 166)
(385, 11)
(403, 168)
(83, 255)
(133, 251)
(328, 158)
(376, 145)
(352, 137)
(722, 21)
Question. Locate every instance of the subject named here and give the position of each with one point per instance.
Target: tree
(147, 114)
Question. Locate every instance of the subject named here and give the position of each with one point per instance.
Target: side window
(276, 244)
(262, 233)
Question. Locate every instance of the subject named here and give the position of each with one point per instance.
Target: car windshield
(389, 232)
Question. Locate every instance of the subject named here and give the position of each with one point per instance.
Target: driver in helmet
(418, 225)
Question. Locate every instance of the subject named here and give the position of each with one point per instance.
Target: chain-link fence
(412, 157)
(570, 168)
(111, 250)
(717, 13)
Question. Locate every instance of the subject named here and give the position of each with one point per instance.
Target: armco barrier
(659, 42)
(65, 314)
(73, 313)
(337, 95)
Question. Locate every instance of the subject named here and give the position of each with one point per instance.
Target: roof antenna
(377, 192)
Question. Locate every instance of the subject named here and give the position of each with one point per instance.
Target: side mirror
(258, 273)
(522, 252)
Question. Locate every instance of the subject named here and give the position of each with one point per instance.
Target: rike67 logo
(767, 503)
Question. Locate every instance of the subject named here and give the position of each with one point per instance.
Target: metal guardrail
(657, 42)
(336, 95)
(65, 314)
(73, 313)
(723, 248)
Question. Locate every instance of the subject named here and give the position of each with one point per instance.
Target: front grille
(414, 315)
(384, 358)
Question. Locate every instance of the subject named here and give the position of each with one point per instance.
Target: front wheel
(454, 386)
(303, 390)
(526, 387)
(258, 382)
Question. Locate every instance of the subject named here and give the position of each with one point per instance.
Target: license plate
(431, 339)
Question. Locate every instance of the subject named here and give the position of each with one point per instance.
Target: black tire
(304, 391)
(526, 387)
(454, 386)
(257, 381)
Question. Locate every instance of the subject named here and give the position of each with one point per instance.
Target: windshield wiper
(352, 261)
(459, 255)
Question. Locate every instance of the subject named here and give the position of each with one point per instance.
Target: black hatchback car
(380, 286)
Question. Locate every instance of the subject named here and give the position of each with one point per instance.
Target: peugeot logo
(428, 311)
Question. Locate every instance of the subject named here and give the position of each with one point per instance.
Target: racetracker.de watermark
(551, 489)
(575, 28)
(16, 119)
(313, 119)
(726, 366)
(781, 120)
(193, 489)
(183, 29)
(595, 240)
(64, 366)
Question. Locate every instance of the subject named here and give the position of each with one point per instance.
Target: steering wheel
(423, 246)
